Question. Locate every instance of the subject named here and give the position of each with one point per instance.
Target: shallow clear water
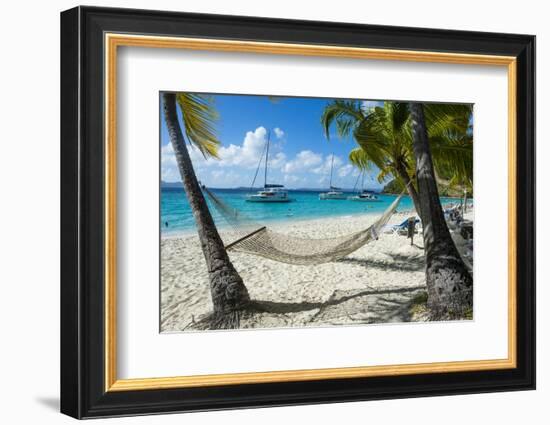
(175, 210)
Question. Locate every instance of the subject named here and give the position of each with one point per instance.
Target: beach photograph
(287, 212)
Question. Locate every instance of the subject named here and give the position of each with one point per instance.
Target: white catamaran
(270, 192)
(334, 192)
(364, 195)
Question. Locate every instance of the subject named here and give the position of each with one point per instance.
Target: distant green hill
(394, 186)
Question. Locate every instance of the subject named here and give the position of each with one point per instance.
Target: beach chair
(450, 210)
(453, 217)
(396, 229)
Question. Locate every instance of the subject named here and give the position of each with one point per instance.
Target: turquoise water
(176, 212)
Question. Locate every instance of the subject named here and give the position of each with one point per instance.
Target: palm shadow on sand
(369, 305)
(354, 306)
(399, 262)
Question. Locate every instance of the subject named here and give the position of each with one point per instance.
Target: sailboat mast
(266, 158)
(331, 166)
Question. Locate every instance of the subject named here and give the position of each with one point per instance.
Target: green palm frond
(451, 142)
(452, 154)
(344, 126)
(360, 159)
(397, 117)
(384, 136)
(383, 175)
(199, 116)
(441, 117)
(378, 138)
(344, 113)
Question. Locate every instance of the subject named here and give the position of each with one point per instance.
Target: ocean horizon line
(177, 185)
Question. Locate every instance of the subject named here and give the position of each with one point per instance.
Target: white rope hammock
(255, 239)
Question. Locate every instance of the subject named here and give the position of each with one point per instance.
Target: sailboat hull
(362, 199)
(256, 198)
(332, 196)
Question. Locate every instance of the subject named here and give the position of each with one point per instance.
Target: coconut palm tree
(389, 138)
(229, 294)
(383, 135)
(449, 282)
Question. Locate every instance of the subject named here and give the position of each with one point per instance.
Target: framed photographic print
(261, 212)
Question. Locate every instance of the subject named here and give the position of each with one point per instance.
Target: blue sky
(300, 154)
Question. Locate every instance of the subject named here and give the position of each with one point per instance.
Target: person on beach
(411, 225)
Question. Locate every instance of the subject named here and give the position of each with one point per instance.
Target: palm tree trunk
(404, 175)
(450, 285)
(229, 294)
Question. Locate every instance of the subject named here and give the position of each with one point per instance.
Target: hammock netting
(254, 238)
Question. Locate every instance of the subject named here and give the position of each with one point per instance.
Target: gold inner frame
(113, 41)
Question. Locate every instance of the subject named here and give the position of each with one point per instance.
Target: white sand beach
(381, 282)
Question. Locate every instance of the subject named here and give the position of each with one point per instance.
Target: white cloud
(345, 170)
(248, 154)
(168, 164)
(279, 134)
(324, 168)
(197, 158)
(277, 160)
(217, 173)
(244, 156)
(291, 179)
(238, 162)
(303, 161)
(224, 178)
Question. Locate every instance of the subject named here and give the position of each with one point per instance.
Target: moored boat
(270, 192)
(334, 193)
(365, 196)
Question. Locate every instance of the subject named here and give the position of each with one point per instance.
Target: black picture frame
(82, 212)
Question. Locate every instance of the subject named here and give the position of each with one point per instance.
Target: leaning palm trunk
(229, 295)
(407, 181)
(450, 285)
